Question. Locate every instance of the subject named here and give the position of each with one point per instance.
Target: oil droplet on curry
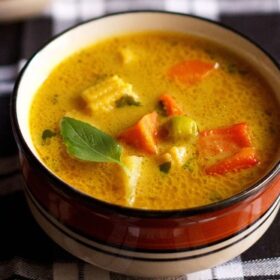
(188, 122)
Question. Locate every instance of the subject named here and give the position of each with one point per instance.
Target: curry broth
(231, 94)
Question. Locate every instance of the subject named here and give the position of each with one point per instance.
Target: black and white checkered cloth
(25, 251)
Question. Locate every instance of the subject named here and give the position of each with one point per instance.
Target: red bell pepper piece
(243, 159)
(227, 139)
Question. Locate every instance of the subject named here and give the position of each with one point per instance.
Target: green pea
(181, 128)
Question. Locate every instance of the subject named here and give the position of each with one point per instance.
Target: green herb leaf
(188, 165)
(165, 167)
(47, 134)
(127, 100)
(160, 109)
(86, 142)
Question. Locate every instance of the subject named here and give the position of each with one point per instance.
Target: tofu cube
(129, 177)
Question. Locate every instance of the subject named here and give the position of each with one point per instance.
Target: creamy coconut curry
(156, 121)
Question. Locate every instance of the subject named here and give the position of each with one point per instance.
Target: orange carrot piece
(190, 72)
(243, 159)
(227, 139)
(170, 106)
(142, 135)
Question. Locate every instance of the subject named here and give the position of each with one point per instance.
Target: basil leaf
(86, 142)
(165, 167)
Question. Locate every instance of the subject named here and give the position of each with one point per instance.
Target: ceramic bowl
(133, 241)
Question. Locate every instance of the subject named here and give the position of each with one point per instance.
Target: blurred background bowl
(19, 9)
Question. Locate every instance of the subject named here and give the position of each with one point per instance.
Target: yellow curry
(156, 121)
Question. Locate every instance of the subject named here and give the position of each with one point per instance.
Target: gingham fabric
(25, 251)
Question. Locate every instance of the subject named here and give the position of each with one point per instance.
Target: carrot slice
(243, 159)
(170, 106)
(190, 71)
(227, 139)
(142, 135)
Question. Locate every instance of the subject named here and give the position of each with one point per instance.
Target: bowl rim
(71, 191)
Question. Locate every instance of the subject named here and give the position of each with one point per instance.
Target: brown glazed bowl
(133, 241)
